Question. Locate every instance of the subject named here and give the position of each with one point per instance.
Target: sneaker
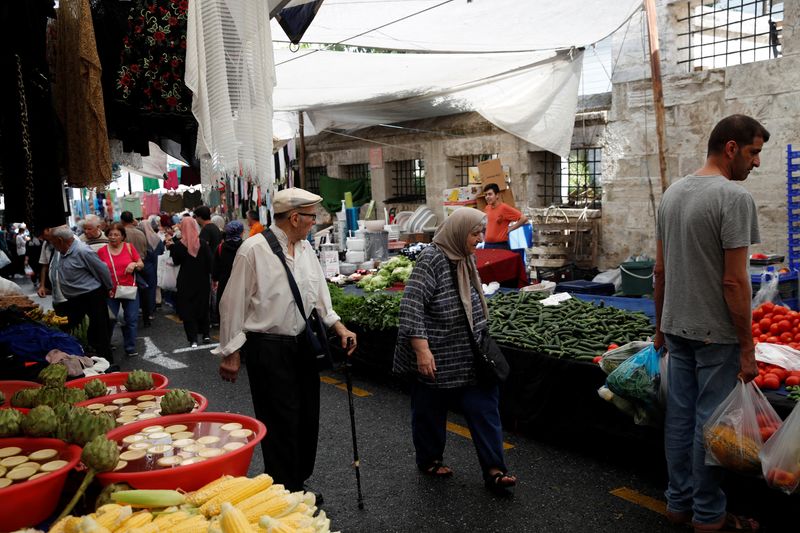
(194, 345)
(206, 340)
(132, 354)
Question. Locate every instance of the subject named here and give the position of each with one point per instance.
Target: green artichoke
(53, 375)
(99, 455)
(139, 380)
(85, 426)
(74, 395)
(176, 402)
(41, 421)
(50, 395)
(105, 495)
(25, 398)
(95, 388)
(63, 413)
(10, 420)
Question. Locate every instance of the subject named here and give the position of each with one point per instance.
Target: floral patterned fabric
(153, 58)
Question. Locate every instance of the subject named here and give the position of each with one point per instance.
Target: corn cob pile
(226, 505)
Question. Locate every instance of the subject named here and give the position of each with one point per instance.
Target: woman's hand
(130, 268)
(426, 365)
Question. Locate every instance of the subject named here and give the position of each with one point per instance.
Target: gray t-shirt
(698, 219)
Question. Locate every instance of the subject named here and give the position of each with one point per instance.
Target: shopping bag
(769, 290)
(167, 273)
(738, 428)
(638, 380)
(779, 355)
(780, 456)
(4, 260)
(613, 358)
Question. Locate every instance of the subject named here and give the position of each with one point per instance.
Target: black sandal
(500, 482)
(435, 469)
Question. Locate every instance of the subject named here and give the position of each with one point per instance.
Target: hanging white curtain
(231, 73)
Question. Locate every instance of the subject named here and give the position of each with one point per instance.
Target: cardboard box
(492, 172)
(461, 194)
(452, 207)
(506, 196)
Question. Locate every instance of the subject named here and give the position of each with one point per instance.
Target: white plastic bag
(610, 276)
(4, 260)
(613, 358)
(778, 354)
(769, 290)
(167, 273)
(9, 288)
(780, 456)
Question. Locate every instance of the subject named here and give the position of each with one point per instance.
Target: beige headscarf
(451, 238)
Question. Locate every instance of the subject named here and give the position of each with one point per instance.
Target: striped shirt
(431, 309)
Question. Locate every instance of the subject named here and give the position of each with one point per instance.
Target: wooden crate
(556, 244)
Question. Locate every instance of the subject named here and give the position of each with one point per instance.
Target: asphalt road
(602, 486)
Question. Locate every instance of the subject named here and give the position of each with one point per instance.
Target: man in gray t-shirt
(705, 224)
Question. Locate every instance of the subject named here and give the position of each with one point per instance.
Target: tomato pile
(777, 325)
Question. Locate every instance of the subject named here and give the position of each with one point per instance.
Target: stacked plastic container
(793, 205)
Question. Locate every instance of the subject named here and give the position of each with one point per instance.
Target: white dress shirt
(258, 298)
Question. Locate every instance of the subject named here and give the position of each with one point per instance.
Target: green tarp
(332, 191)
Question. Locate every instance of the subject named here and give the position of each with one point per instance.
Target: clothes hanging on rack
(171, 203)
(192, 199)
(131, 203)
(171, 182)
(151, 204)
(150, 184)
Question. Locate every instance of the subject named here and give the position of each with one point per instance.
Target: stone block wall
(767, 90)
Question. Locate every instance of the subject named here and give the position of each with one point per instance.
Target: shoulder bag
(491, 367)
(315, 330)
(122, 292)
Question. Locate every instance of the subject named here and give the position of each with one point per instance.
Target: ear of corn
(321, 523)
(134, 521)
(274, 525)
(206, 492)
(304, 509)
(243, 489)
(148, 498)
(282, 504)
(232, 520)
(297, 520)
(72, 524)
(90, 525)
(111, 515)
(192, 524)
(261, 497)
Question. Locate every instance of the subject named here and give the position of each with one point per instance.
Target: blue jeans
(130, 311)
(481, 409)
(699, 378)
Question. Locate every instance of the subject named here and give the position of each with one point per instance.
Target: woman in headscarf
(224, 256)
(218, 221)
(155, 247)
(194, 280)
(434, 349)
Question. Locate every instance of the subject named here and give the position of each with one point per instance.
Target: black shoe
(206, 340)
(317, 495)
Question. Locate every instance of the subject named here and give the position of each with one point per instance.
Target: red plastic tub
(202, 401)
(9, 387)
(118, 379)
(189, 477)
(29, 503)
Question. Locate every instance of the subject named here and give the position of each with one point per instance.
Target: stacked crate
(563, 238)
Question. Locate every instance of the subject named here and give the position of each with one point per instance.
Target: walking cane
(349, 381)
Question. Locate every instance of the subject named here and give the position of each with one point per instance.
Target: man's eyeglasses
(312, 215)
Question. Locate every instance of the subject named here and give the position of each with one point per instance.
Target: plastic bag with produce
(738, 428)
(780, 456)
(613, 358)
(638, 380)
(769, 290)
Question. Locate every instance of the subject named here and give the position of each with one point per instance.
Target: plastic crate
(586, 287)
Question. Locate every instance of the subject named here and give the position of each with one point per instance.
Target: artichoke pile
(139, 380)
(53, 375)
(95, 388)
(177, 401)
(41, 421)
(10, 420)
(99, 455)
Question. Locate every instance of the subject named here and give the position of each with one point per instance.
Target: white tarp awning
(466, 26)
(531, 95)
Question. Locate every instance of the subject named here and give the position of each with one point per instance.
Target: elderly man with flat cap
(258, 308)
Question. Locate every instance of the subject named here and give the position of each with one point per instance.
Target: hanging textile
(172, 180)
(150, 184)
(171, 203)
(79, 97)
(233, 106)
(151, 205)
(131, 203)
(192, 199)
(332, 191)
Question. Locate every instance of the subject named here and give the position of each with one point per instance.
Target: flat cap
(293, 198)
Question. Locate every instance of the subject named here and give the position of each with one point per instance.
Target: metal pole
(658, 91)
(302, 155)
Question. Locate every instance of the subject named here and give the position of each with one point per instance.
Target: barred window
(352, 172)
(408, 181)
(312, 178)
(463, 164)
(573, 182)
(722, 33)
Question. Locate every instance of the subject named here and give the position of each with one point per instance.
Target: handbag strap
(470, 332)
(277, 250)
(113, 266)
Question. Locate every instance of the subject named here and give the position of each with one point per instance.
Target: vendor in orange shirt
(498, 218)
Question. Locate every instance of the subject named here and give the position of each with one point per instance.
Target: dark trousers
(284, 384)
(480, 406)
(145, 303)
(196, 325)
(93, 305)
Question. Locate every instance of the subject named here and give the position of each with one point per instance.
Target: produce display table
(501, 266)
(642, 305)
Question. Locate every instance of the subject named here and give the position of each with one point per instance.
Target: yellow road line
(637, 498)
(361, 393)
(329, 380)
(174, 318)
(464, 432)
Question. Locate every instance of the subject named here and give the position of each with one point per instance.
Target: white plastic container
(354, 256)
(355, 244)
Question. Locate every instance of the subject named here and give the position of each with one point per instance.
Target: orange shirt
(497, 220)
(255, 229)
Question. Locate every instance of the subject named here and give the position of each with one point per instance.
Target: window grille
(464, 162)
(312, 178)
(352, 172)
(730, 32)
(408, 181)
(572, 182)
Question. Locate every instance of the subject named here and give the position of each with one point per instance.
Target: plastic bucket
(188, 477)
(9, 387)
(637, 277)
(29, 503)
(118, 379)
(202, 401)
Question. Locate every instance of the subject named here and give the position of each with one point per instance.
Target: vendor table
(501, 266)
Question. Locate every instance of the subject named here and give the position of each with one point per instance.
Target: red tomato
(597, 359)
(786, 337)
(775, 329)
(780, 373)
(796, 322)
(762, 338)
(778, 310)
(759, 381)
(797, 337)
(795, 373)
(764, 324)
(612, 346)
(771, 382)
(792, 381)
(773, 340)
(768, 306)
(758, 314)
(793, 345)
(785, 325)
(766, 433)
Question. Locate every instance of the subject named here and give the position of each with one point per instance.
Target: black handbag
(315, 331)
(491, 366)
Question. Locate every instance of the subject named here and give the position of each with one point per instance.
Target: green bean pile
(575, 328)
